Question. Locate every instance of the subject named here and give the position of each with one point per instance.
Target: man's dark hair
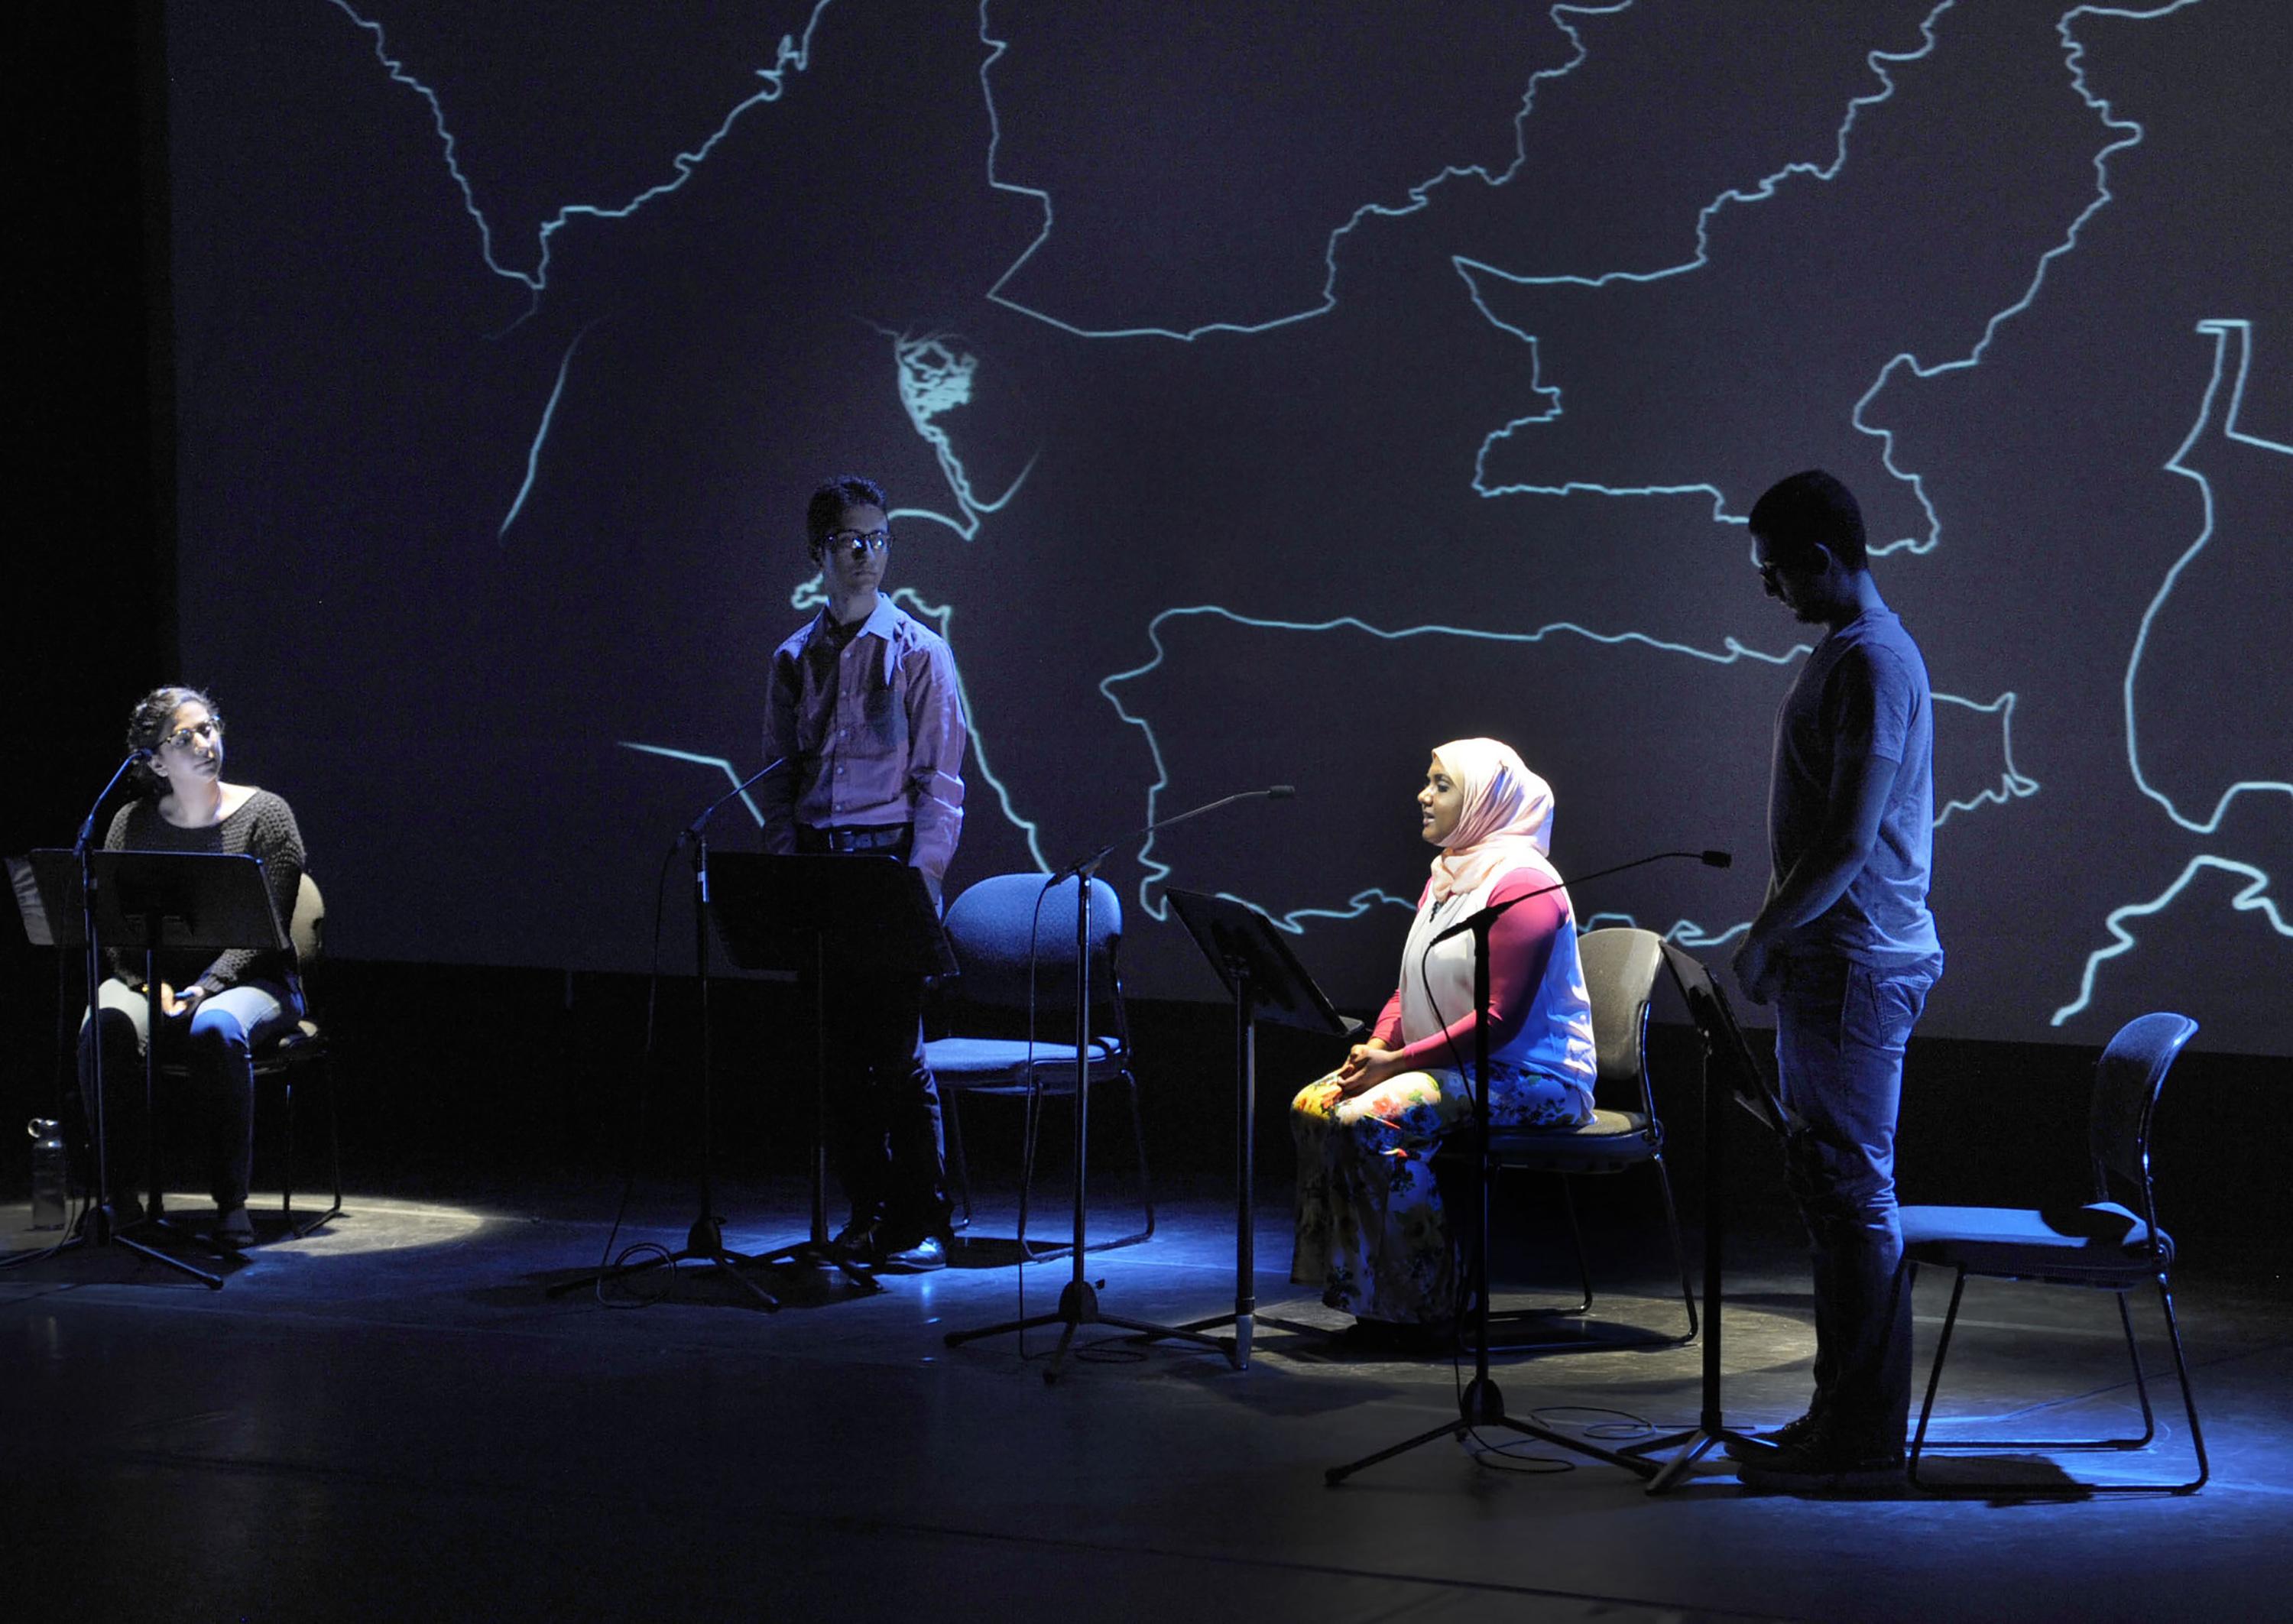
(1809, 510)
(830, 501)
(151, 721)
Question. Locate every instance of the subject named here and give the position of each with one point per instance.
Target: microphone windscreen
(1718, 860)
(1280, 792)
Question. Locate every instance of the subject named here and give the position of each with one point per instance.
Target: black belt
(861, 837)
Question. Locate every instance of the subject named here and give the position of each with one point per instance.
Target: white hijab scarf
(1505, 823)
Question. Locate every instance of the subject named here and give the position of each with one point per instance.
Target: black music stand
(818, 913)
(1480, 1403)
(37, 910)
(1729, 1062)
(704, 1240)
(1266, 982)
(1078, 1298)
(149, 901)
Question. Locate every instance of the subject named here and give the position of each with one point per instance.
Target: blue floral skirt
(1371, 1234)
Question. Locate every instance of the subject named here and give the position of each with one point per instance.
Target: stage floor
(391, 1418)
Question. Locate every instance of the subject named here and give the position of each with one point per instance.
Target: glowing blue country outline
(1465, 266)
(1154, 872)
(951, 466)
(1419, 193)
(2074, 52)
(794, 57)
(731, 776)
(541, 433)
(2221, 327)
(2253, 898)
(2074, 57)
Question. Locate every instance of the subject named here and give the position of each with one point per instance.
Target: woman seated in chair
(215, 1008)
(1370, 1228)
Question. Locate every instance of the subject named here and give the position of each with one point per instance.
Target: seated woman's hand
(1367, 1064)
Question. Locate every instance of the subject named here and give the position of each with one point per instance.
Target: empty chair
(2112, 1243)
(992, 926)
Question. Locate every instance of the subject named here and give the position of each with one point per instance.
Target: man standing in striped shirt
(864, 702)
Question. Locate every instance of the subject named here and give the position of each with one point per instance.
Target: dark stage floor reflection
(392, 1419)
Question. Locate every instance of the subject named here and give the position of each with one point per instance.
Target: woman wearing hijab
(1370, 1228)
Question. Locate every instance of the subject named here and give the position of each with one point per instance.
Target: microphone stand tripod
(1480, 1403)
(1079, 1298)
(98, 1225)
(704, 1241)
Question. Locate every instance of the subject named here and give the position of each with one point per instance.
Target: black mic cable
(1272, 792)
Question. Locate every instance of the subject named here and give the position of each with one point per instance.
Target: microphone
(1089, 864)
(1710, 859)
(693, 829)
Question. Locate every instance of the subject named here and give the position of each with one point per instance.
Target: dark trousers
(1841, 1029)
(217, 1046)
(884, 1115)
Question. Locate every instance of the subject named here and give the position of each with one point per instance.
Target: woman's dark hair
(830, 501)
(1807, 510)
(150, 721)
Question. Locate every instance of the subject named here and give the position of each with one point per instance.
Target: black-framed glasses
(212, 728)
(857, 542)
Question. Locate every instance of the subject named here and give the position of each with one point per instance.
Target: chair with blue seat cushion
(2112, 1243)
(1015, 946)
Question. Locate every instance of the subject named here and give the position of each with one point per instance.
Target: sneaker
(1824, 1463)
(1763, 1446)
(918, 1257)
(234, 1229)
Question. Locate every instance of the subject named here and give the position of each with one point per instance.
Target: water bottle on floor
(51, 1174)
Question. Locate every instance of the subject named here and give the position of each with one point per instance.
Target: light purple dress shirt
(876, 731)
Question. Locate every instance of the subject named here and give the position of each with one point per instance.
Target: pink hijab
(1506, 821)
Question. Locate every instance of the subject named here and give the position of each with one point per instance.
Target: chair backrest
(990, 925)
(2127, 1081)
(1621, 965)
(307, 930)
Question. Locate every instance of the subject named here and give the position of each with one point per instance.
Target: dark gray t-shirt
(1862, 694)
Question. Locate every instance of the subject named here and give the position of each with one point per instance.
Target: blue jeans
(1839, 1032)
(218, 1043)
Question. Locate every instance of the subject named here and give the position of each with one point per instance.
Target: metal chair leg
(953, 1119)
(1679, 1252)
(334, 1148)
(1577, 1240)
(2189, 1396)
(2140, 1386)
(1934, 1372)
(287, 1182)
(1994, 1489)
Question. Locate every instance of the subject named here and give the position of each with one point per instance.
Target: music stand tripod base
(1736, 1076)
(149, 903)
(1079, 1298)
